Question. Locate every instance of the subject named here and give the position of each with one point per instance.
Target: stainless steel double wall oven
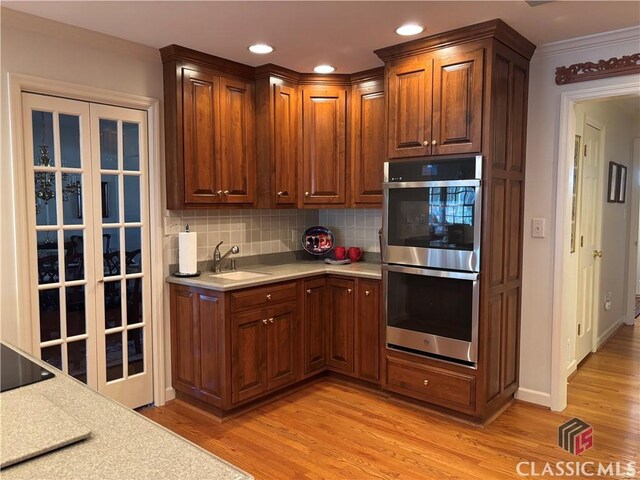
(431, 256)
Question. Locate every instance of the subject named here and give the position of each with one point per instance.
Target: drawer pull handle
(271, 320)
(367, 293)
(308, 290)
(265, 321)
(268, 296)
(426, 383)
(348, 290)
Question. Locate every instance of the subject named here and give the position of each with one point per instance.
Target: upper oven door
(432, 224)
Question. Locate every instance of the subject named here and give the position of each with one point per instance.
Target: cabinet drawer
(262, 296)
(435, 385)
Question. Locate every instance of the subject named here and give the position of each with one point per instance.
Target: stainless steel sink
(239, 275)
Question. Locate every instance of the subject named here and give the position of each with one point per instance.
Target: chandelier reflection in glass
(45, 182)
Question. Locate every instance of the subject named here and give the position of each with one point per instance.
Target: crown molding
(589, 42)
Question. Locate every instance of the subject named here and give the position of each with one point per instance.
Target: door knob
(597, 253)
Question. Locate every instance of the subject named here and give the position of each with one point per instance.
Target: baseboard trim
(572, 368)
(169, 394)
(611, 331)
(533, 396)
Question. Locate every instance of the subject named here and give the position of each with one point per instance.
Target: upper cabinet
(435, 103)
(209, 130)
(368, 148)
(324, 140)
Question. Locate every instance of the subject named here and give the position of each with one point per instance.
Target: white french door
(88, 212)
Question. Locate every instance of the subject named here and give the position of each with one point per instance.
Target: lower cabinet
(341, 323)
(264, 350)
(197, 342)
(314, 299)
(367, 330)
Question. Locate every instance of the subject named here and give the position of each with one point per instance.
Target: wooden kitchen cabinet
(264, 350)
(435, 103)
(209, 130)
(324, 140)
(368, 147)
(341, 293)
(367, 330)
(314, 330)
(197, 343)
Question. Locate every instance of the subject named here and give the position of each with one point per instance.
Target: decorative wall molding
(605, 40)
(614, 67)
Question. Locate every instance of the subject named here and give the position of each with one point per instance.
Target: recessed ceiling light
(324, 69)
(261, 48)
(409, 29)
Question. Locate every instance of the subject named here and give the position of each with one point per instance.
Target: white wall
(42, 48)
(540, 195)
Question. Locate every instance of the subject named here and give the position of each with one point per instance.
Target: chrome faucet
(219, 259)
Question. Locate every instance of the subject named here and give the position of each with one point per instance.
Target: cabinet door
(324, 144)
(314, 335)
(201, 137)
(285, 144)
(196, 343)
(410, 107)
(341, 323)
(457, 102)
(237, 141)
(248, 355)
(368, 330)
(282, 345)
(368, 144)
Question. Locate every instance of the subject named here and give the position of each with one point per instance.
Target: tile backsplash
(354, 227)
(263, 231)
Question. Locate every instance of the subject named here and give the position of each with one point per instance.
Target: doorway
(89, 242)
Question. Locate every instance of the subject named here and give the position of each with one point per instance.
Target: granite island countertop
(279, 273)
(122, 445)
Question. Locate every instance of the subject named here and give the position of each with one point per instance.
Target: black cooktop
(17, 370)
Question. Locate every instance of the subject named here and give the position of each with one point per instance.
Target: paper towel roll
(188, 252)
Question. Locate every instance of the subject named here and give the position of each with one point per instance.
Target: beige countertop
(279, 273)
(122, 444)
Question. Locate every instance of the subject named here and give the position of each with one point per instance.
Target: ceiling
(307, 33)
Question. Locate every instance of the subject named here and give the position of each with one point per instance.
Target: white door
(589, 242)
(89, 266)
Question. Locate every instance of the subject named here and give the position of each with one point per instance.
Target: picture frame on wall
(612, 185)
(621, 187)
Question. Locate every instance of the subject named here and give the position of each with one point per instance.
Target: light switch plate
(537, 227)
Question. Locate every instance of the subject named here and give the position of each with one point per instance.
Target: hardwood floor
(334, 430)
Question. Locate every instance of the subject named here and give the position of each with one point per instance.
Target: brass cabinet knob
(367, 293)
(283, 194)
(307, 194)
(226, 192)
(268, 296)
(308, 290)
(219, 192)
(271, 320)
(434, 142)
(265, 321)
(425, 143)
(348, 290)
(426, 383)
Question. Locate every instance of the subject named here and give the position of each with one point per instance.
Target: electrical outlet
(171, 226)
(537, 227)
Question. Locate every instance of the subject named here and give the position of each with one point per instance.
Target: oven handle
(444, 183)
(428, 272)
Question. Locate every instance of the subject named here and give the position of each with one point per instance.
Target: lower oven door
(432, 311)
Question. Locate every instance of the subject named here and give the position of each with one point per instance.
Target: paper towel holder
(186, 275)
